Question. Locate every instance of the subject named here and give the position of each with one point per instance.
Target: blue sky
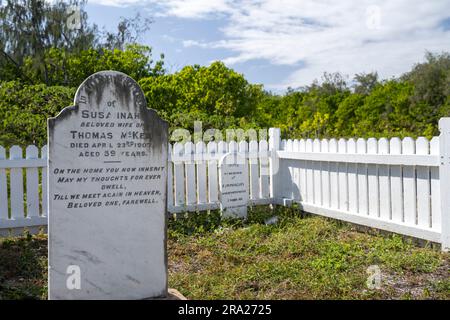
(288, 43)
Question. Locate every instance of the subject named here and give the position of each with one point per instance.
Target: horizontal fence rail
(395, 185)
(383, 159)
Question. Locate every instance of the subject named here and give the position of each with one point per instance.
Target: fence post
(274, 146)
(444, 180)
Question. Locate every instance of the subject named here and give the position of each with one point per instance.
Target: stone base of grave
(172, 294)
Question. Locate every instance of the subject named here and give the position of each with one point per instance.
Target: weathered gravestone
(233, 176)
(107, 194)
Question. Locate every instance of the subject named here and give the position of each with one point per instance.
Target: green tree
(129, 31)
(345, 115)
(215, 95)
(24, 110)
(70, 69)
(386, 111)
(52, 43)
(29, 28)
(364, 83)
(431, 79)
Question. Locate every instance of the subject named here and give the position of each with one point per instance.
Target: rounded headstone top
(106, 86)
(112, 96)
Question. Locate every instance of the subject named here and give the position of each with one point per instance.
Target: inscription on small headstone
(233, 185)
(107, 194)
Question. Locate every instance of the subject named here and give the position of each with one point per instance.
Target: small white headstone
(233, 185)
(107, 194)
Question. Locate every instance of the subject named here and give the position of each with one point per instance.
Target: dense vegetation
(41, 64)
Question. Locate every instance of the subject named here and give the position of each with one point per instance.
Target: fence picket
(16, 185)
(243, 150)
(170, 178)
(334, 179)
(222, 148)
(254, 170)
(302, 165)
(32, 153)
(396, 183)
(423, 186)
(296, 172)
(288, 173)
(309, 173)
(178, 172)
(363, 191)
(372, 179)
(342, 177)
(352, 179)
(383, 179)
(44, 183)
(200, 150)
(435, 188)
(409, 184)
(213, 186)
(233, 147)
(3, 188)
(317, 175)
(325, 176)
(191, 185)
(264, 169)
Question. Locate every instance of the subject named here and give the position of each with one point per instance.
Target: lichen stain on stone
(156, 128)
(123, 87)
(93, 87)
(118, 84)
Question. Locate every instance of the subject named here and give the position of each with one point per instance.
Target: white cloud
(193, 8)
(387, 36)
(117, 3)
(178, 8)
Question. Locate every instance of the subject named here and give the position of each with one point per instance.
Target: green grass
(23, 267)
(298, 258)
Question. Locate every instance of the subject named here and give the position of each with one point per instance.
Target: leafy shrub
(24, 110)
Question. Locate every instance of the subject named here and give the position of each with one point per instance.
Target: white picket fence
(388, 184)
(23, 204)
(193, 174)
(192, 181)
(394, 185)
